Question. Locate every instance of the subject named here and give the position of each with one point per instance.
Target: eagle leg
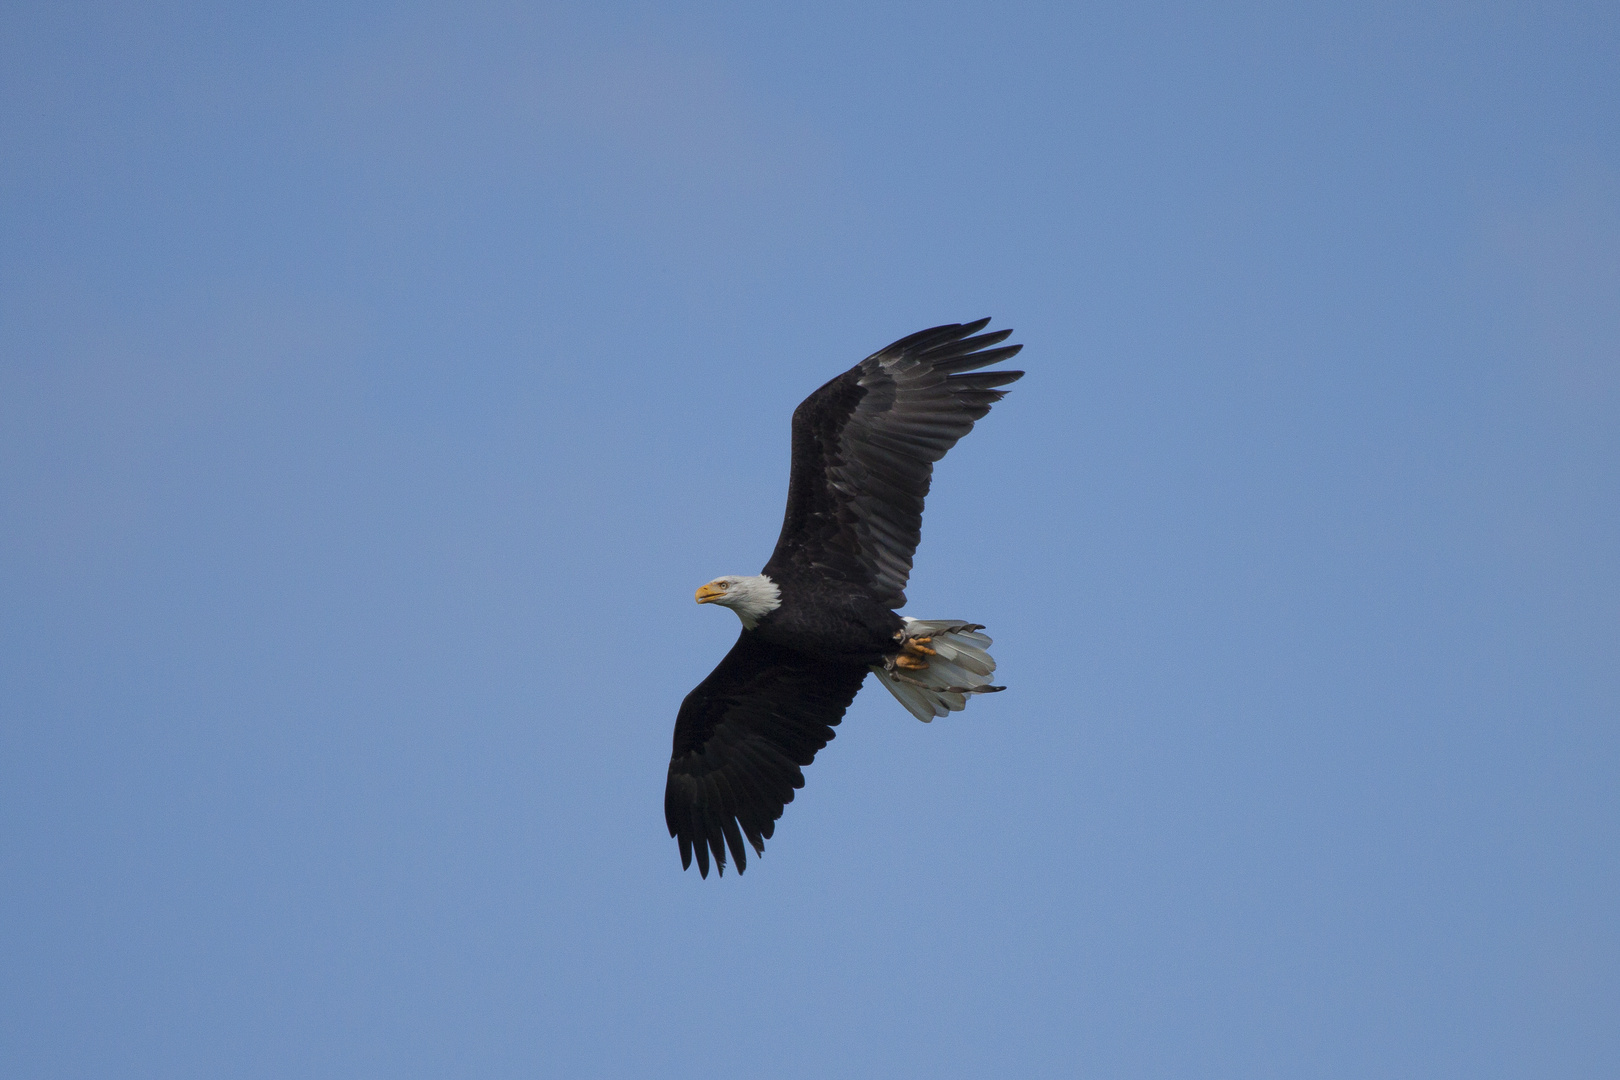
(914, 654)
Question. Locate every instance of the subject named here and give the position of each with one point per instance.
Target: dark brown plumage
(864, 447)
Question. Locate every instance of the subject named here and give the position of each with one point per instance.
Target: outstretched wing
(864, 448)
(741, 738)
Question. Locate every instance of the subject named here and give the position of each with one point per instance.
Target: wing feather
(741, 739)
(864, 447)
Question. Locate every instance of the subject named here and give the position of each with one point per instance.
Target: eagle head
(752, 598)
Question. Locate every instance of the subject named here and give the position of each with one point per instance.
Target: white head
(752, 598)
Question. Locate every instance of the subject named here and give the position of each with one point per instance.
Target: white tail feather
(960, 667)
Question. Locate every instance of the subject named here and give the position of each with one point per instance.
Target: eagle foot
(910, 662)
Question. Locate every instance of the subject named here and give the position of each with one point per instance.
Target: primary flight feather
(820, 615)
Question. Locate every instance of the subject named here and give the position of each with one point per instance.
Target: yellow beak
(708, 593)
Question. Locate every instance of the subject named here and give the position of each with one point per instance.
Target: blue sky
(378, 382)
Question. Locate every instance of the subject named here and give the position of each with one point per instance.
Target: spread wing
(741, 738)
(864, 448)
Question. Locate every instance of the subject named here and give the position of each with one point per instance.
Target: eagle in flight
(820, 615)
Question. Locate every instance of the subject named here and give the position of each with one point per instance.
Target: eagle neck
(753, 598)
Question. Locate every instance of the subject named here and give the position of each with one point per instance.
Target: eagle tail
(958, 666)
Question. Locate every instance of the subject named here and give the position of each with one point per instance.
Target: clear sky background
(378, 382)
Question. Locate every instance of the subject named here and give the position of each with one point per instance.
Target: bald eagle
(821, 613)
